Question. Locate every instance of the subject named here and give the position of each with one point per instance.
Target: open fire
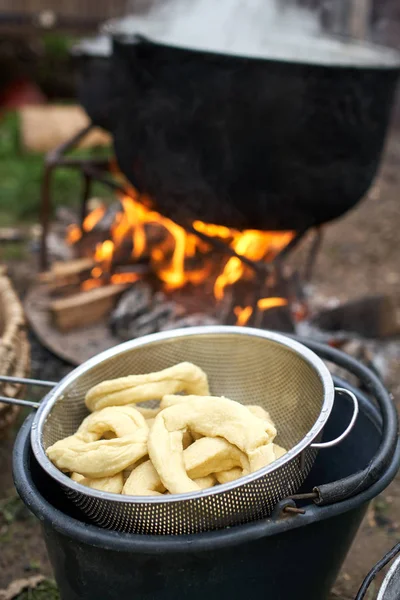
(139, 236)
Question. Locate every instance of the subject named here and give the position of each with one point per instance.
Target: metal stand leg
(45, 215)
(87, 186)
(56, 158)
(312, 255)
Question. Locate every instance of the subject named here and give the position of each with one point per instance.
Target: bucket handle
(24, 381)
(352, 485)
(349, 427)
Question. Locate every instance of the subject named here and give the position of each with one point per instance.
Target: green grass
(21, 176)
(13, 250)
(46, 590)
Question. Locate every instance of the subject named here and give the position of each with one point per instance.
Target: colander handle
(24, 381)
(349, 427)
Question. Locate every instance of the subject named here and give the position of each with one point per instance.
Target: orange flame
(125, 278)
(90, 284)
(254, 245)
(267, 303)
(74, 234)
(243, 314)
(178, 257)
(93, 218)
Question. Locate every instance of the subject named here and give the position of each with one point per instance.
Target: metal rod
(24, 381)
(294, 510)
(53, 159)
(87, 181)
(45, 215)
(308, 496)
(290, 246)
(92, 170)
(18, 402)
(54, 155)
(312, 254)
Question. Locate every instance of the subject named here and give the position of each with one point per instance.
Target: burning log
(154, 320)
(85, 308)
(195, 320)
(71, 271)
(278, 318)
(132, 305)
(140, 312)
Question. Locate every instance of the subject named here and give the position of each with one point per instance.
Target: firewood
(66, 271)
(46, 127)
(85, 308)
(369, 316)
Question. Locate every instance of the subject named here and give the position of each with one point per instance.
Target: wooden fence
(62, 14)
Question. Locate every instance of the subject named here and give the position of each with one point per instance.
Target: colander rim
(49, 400)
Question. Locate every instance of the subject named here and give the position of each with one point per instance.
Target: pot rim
(390, 55)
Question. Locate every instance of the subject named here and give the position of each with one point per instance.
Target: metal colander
(246, 365)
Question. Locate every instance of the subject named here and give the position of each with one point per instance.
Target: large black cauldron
(247, 142)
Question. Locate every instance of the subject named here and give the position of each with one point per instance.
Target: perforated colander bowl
(246, 365)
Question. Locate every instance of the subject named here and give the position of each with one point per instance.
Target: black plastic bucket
(281, 558)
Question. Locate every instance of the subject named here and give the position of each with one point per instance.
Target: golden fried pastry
(211, 417)
(228, 476)
(96, 458)
(145, 481)
(184, 377)
(148, 413)
(172, 400)
(258, 411)
(211, 455)
(279, 451)
(261, 413)
(265, 458)
(206, 482)
(113, 421)
(187, 437)
(187, 443)
(105, 484)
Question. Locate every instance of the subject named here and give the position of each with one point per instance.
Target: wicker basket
(14, 348)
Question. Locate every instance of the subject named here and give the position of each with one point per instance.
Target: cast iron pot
(281, 557)
(92, 57)
(247, 142)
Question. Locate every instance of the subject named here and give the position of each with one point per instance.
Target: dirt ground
(360, 255)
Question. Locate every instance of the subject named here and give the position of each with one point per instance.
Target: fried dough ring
(117, 420)
(228, 476)
(184, 377)
(236, 472)
(145, 481)
(86, 454)
(148, 413)
(187, 437)
(261, 413)
(211, 455)
(105, 484)
(202, 460)
(257, 411)
(211, 417)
